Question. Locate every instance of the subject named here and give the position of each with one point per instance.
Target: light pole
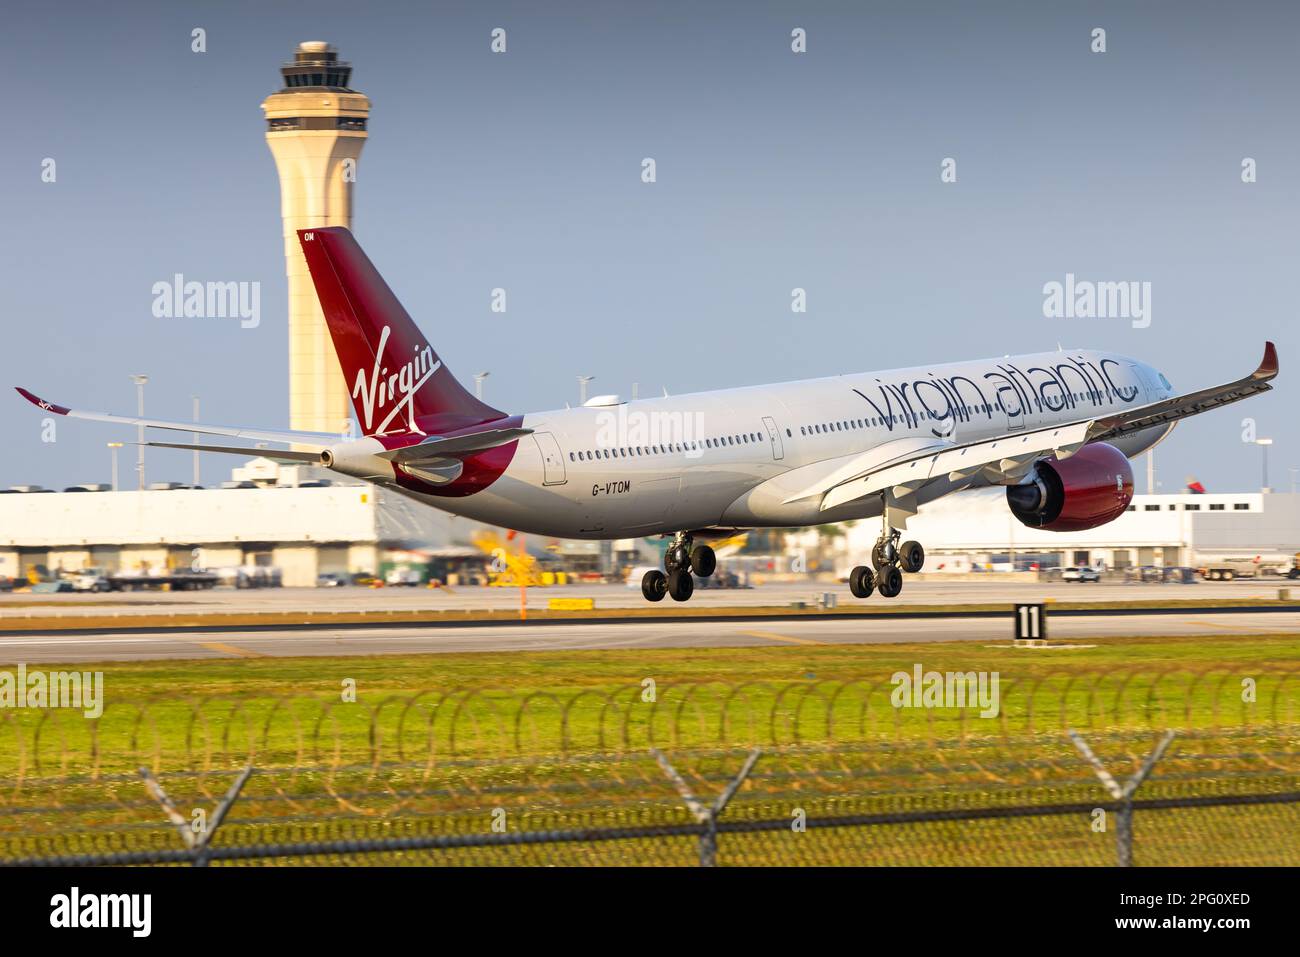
(582, 388)
(1264, 444)
(478, 384)
(140, 379)
(114, 446)
(195, 439)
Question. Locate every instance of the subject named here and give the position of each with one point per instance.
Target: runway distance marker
(1030, 621)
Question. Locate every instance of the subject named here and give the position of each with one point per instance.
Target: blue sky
(775, 171)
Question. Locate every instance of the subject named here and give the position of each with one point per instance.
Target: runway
(629, 635)
(918, 590)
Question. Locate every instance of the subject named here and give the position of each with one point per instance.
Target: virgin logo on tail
(384, 388)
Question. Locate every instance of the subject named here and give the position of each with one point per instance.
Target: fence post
(198, 845)
(706, 814)
(1123, 794)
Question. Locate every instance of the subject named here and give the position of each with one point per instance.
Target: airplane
(1057, 429)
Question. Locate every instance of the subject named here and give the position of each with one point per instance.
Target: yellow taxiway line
(771, 636)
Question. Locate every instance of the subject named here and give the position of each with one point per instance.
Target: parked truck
(1228, 568)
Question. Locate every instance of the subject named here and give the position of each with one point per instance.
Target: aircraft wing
(1193, 403)
(281, 455)
(236, 432)
(1008, 457)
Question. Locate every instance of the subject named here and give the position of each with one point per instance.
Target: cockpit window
(1165, 382)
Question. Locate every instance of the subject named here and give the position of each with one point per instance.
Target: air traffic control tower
(315, 127)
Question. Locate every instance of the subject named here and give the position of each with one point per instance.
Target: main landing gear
(679, 562)
(888, 562)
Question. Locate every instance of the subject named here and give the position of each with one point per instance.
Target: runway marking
(1245, 628)
(229, 649)
(787, 638)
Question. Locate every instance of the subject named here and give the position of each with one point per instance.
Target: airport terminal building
(281, 517)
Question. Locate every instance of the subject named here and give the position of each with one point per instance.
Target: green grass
(563, 738)
(542, 703)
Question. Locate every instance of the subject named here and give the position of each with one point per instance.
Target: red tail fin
(397, 381)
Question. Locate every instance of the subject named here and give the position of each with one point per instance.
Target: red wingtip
(1268, 365)
(41, 403)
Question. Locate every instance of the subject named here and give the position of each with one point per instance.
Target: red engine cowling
(1090, 488)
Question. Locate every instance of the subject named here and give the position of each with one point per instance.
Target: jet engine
(1090, 488)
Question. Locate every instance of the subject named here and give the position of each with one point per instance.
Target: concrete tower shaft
(316, 127)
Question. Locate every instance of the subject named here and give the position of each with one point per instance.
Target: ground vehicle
(91, 579)
(402, 576)
(1225, 569)
(181, 579)
(1080, 574)
(332, 580)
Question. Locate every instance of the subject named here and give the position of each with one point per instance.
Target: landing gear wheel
(911, 556)
(680, 584)
(703, 561)
(654, 585)
(862, 582)
(890, 581)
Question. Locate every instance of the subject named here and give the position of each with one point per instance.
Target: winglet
(1268, 365)
(38, 401)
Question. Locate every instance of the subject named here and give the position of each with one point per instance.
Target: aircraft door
(552, 460)
(773, 433)
(1013, 410)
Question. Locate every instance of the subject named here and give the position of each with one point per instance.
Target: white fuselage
(735, 457)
